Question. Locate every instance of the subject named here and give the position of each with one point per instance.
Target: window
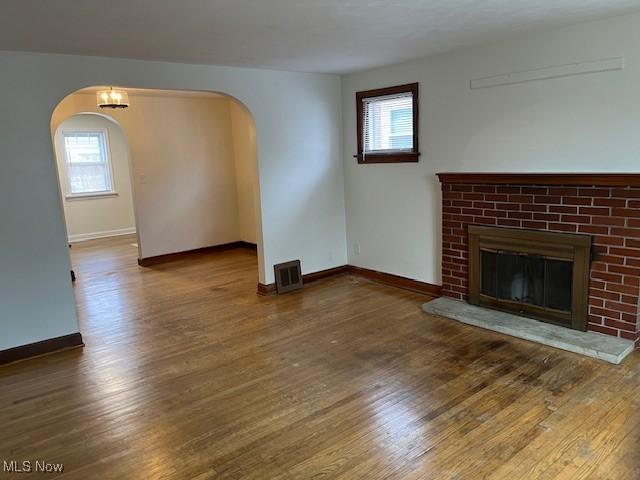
(388, 125)
(88, 170)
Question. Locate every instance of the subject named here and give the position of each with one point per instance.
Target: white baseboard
(82, 237)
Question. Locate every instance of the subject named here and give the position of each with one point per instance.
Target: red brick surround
(610, 214)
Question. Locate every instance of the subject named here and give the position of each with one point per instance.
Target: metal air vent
(288, 276)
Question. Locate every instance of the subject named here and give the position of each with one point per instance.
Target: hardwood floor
(188, 374)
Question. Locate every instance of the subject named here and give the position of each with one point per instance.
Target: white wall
(573, 124)
(96, 217)
(297, 118)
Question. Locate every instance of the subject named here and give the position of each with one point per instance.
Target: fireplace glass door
(544, 275)
(527, 279)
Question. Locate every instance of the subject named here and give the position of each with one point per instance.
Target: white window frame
(69, 195)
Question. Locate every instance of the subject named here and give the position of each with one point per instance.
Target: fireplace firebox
(543, 275)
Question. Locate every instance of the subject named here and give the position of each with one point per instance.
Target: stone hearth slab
(592, 344)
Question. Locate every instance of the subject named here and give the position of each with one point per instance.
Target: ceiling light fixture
(113, 98)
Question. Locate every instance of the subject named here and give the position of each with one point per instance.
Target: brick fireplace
(603, 206)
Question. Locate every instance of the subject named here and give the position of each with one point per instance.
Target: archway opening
(94, 171)
(192, 172)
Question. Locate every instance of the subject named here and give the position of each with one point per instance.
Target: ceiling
(333, 36)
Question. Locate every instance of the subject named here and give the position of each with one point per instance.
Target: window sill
(393, 157)
(90, 196)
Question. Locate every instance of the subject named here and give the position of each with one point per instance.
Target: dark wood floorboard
(188, 374)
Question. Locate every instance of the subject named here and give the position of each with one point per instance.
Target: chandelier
(113, 98)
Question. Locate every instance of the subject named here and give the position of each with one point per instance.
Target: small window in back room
(388, 124)
(88, 171)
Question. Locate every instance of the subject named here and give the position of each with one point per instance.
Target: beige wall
(184, 169)
(96, 217)
(244, 148)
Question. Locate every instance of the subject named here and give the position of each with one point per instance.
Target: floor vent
(288, 276)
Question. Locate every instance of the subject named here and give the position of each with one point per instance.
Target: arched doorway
(174, 210)
(92, 157)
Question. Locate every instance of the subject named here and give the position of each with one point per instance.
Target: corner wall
(244, 151)
(574, 124)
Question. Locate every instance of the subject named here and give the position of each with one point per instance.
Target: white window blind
(387, 123)
(87, 163)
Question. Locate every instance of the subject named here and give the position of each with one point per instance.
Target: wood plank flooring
(188, 374)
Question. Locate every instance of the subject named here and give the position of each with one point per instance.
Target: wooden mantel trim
(600, 179)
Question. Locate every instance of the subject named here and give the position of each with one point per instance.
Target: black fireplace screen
(534, 280)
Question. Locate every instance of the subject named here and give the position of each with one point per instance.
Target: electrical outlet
(356, 248)
(330, 257)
